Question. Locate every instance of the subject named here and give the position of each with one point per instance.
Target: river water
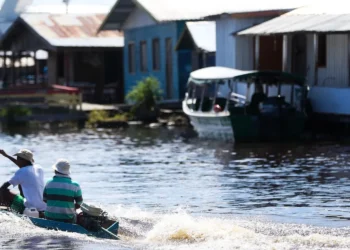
(174, 193)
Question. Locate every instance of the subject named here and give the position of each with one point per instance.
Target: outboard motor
(91, 217)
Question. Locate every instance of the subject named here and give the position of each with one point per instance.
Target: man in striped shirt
(62, 195)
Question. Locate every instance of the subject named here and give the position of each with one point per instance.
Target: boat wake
(178, 230)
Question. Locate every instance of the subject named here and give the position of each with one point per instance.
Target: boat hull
(210, 125)
(236, 125)
(213, 127)
(109, 232)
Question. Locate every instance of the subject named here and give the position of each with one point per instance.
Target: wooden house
(315, 43)
(152, 30)
(77, 55)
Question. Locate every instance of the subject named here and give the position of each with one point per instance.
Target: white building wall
(335, 74)
(331, 95)
(235, 51)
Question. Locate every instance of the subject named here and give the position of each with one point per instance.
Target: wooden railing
(54, 96)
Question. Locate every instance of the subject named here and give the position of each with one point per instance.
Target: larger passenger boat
(216, 111)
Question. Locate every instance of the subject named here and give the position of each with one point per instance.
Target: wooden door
(270, 53)
(299, 54)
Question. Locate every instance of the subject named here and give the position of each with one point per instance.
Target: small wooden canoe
(107, 230)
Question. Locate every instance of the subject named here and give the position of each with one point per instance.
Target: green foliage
(97, 116)
(13, 111)
(146, 93)
(119, 118)
(3, 112)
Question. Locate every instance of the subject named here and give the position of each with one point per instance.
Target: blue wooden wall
(162, 32)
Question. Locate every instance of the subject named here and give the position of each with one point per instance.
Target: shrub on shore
(144, 96)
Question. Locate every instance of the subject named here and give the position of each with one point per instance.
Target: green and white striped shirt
(61, 194)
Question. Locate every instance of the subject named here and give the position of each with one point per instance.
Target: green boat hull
(267, 128)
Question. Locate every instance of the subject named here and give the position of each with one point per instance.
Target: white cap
(62, 166)
(25, 154)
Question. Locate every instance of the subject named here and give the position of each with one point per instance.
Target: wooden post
(257, 52)
(65, 67)
(52, 68)
(285, 54)
(4, 76)
(315, 41)
(99, 87)
(349, 59)
(27, 67)
(12, 68)
(71, 68)
(20, 67)
(15, 70)
(36, 76)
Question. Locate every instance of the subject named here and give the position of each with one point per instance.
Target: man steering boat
(30, 179)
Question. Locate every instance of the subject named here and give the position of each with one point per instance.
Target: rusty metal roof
(328, 17)
(73, 30)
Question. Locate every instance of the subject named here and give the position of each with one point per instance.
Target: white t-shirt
(31, 179)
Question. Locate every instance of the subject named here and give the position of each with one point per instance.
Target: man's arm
(78, 198)
(2, 152)
(21, 191)
(5, 185)
(45, 195)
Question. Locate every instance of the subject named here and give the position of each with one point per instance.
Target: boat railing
(241, 99)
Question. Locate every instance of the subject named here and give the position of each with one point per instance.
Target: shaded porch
(85, 63)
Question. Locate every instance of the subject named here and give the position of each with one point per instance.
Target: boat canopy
(219, 74)
(210, 74)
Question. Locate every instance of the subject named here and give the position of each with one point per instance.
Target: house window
(131, 57)
(143, 56)
(156, 54)
(322, 50)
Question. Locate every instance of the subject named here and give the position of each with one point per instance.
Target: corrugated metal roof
(172, 10)
(168, 10)
(73, 30)
(330, 17)
(203, 34)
